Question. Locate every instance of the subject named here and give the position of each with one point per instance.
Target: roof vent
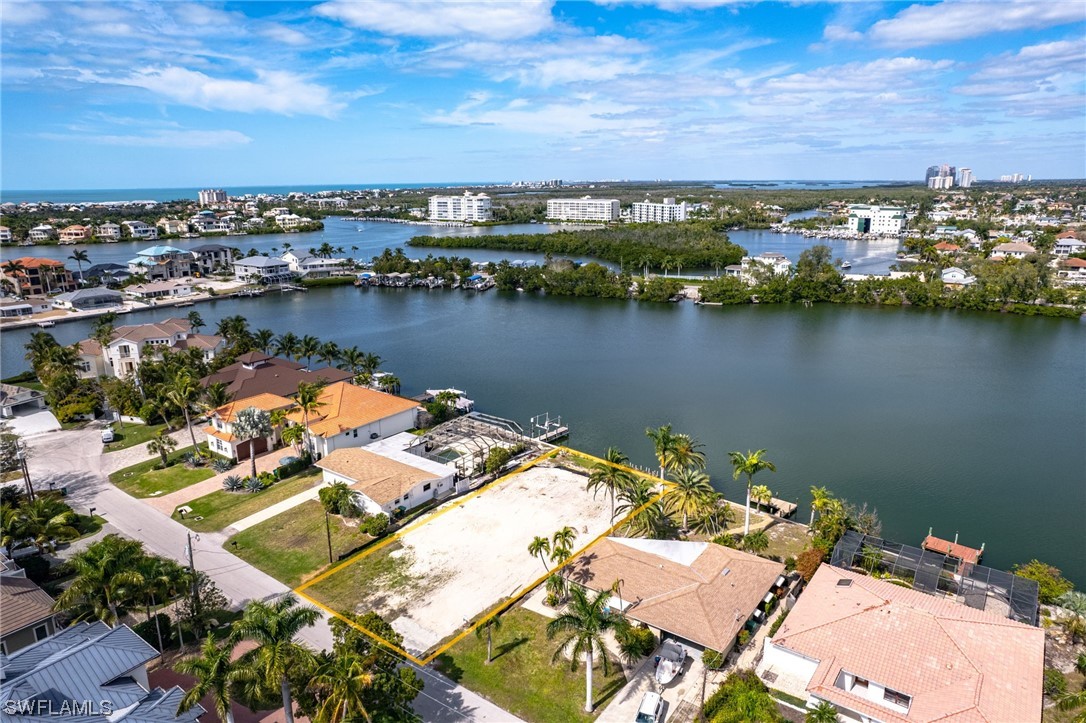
(844, 582)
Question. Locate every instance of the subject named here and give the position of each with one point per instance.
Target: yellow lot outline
(457, 502)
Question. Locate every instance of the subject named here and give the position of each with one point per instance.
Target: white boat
(846, 264)
(46, 324)
(669, 665)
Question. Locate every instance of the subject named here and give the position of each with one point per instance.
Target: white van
(652, 705)
(107, 435)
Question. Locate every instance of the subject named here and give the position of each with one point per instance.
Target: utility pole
(328, 530)
(21, 454)
(192, 573)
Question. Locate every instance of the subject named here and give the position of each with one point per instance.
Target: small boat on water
(669, 661)
(47, 324)
(846, 264)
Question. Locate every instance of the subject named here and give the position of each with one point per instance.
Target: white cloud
(13, 12)
(275, 91)
(1038, 81)
(949, 21)
(439, 19)
(160, 138)
(283, 34)
(872, 77)
(834, 33)
(564, 117)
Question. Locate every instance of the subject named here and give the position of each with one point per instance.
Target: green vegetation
(742, 697)
(146, 478)
(664, 246)
(129, 435)
(293, 545)
(376, 571)
(328, 281)
(220, 508)
(546, 691)
(1051, 582)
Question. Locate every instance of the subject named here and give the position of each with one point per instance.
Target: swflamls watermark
(58, 709)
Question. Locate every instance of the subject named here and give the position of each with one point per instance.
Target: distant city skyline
(153, 95)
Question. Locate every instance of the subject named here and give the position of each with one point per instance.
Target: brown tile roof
(955, 662)
(155, 330)
(267, 402)
(944, 246)
(379, 478)
(273, 375)
(199, 341)
(32, 262)
(210, 431)
(347, 407)
(90, 347)
(23, 603)
(1012, 247)
(697, 590)
(1075, 263)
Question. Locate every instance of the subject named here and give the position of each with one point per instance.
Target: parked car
(107, 435)
(651, 709)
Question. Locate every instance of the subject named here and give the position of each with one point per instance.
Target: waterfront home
(583, 209)
(353, 416)
(162, 262)
(262, 270)
(84, 299)
(76, 233)
(258, 373)
(107, 273)
(129, 345)
(207, 222)
(109, 231)
(37, 276)
(313, 267)
(385, 484)
(1067, 244)
(42, 232)
(1072, 271)
(17, 308)
(172, 226)
(15, 398)
(1013, 250)
(770, 261)
(159, 290)
(954, 276)
(291, 220)
(28, 614)
(700, 592)
(91, 673)
(212, 257)
(945, 248)
(141, 230)
(220, 431)
(5, 235)
(880, 652)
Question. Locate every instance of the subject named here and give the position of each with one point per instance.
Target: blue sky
(120, 95)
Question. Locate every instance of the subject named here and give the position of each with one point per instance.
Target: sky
(175, 94)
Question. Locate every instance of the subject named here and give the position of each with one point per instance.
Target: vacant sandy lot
(448, 571)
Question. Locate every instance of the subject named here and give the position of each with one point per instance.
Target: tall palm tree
(293, 435)
(749, 464)
(308, 401)
(79, 256)
(685, 452)
(339, 499)
(390, 384)
(196, 322)
(162, 445)
(540, 547)
(287, 345)
(761, 494)
(663, 439)
(819, 497)
(492, 624)
(251, 424)
(609, 477)
(308, 347)
(340, 684)
(651, 522)
(371, 362)
(580, 629)
(162, 580)
(217, 395)
(713, 518)
(15, 270)
(351, 358)
(183, 392)
(273, 627)
(106, 572)
(263, 339)
(689, 494)
(563, 538)
(328, 353)
(215, 673)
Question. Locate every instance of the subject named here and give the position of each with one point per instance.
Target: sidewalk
(278, 508)
(166, 504)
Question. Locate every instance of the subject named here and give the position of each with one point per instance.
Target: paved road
(74, 459)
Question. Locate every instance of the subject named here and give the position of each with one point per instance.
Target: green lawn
(543, 691)
(143, 480)
(131, 434)
(349, 590)
(221, 508)
(293, 545)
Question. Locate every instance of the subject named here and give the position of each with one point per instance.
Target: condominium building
(666, 212)
(883, 220)
(965, 177)
(469, 207)
(940, 177)
(583, 209)
(209, 196)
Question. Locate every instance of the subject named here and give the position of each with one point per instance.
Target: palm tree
(492, 623)
(761, 494)
(540, 547)
(309, 346)
(662, 440)
(340, 685)
(756, 541)
(563, 538)
(685, 452)
(610, 477)
(215, 675)
(263, 339)
(824, 712)
(196, 322)
(161, 580)
(251, 424)
(183, 392)
(339, 499)
(273, 626)
(390, 384)
(217, 395)
(689, 494)
(580, 630)
(79, 256)
(370, 363)
(713, 518)
(162, 445)
(15, 270)
(43, 520)
(819, 497)
(749, 464)
(293, 435)
(649, 522)
(106, 572)
(308, 400)
(287, 345)
(328, 352)
(351, 358)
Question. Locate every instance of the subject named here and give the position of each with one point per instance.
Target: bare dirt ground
(447, 572)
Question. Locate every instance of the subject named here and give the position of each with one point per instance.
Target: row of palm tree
(40, 521)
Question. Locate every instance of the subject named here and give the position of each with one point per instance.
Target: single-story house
(880, 652)
(159, 289)
(698, 592)
(15, 308)
(352, 416)
(220, 433)
(945, 248)
(1013, 249)
(386, 484)
(954, 276)
(98, 298)
(28, 614)
(14, 398)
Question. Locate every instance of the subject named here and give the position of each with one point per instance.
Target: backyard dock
(970, 555)
(782, 508)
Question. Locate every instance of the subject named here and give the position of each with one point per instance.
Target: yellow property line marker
(504, 605)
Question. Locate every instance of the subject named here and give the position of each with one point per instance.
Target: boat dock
(968, 555)
(782, 508)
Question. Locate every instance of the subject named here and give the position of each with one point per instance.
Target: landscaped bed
(220, 509)
(143, 480)
(294, 544)
(543, 691)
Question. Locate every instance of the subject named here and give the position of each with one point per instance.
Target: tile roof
(271, 374)
(955, 662)
(953, 549)
(24, 604)
(346, 407)
(377, 477)
(33, 262)
(156, 330)
(267, 402)
(199, 341)
(1075, 263)
(1014, 246)
(697, 590)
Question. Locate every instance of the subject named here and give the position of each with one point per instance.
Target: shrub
(742, 638)
(808, 561)
(789, 563)
(777, 623)
(727, 540)
(191, 459)
(742, 696)
(498, 458)
(1055, 683)
(147, 631)
(233, 483)
(1051, 581)
(635, 642)
(36, 568)
(221, 464)
(375, 525)
(713, 659)
(551, 600)
(253, 484)
(267, 479)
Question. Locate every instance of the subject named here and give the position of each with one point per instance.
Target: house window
(41, 632)
(892, 696)
(858, 682)
(426, 487)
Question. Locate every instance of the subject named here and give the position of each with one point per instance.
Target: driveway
(33, 423)
(623, 707)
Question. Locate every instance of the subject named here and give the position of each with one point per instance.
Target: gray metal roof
(87, 662)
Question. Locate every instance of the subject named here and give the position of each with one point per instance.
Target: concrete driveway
(623, 708)
(33, 423)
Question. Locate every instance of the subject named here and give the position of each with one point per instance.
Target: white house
(5, 235)
(262, 270)
(141, 230)
(162, 262)
(1068, 245)
(1013, 249)
(469, 207)
(954, 276)
(97, 298)
(666, 212)
(749, 266)
(352, 416)
(109, 231)
(291, 220)
(1072, 271)
(583, 209)
(159, 289)
(313, 267)
(881, 220)
(130, 344)
(173, 226)
(43, 232)
(385, 484)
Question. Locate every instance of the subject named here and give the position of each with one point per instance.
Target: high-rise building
(941, 176)
(965, 177)
(468, 207)
(210, 196)
(583, 209)
(883, 220)
(666, 212)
